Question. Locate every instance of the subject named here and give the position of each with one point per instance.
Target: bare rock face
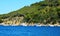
(13, 21)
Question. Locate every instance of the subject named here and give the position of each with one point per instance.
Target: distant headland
(43, 13)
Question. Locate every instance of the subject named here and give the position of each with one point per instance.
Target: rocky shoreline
(26, 24)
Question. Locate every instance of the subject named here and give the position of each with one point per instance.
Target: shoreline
(25, 24)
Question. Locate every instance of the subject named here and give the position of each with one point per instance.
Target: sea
(29, 31)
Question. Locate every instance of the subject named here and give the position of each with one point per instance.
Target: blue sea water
(29, 31)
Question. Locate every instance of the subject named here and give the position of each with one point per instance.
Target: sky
(7, 6)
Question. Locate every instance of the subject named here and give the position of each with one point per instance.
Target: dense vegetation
(47, 11)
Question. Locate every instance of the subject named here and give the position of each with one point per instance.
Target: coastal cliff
(45, 12)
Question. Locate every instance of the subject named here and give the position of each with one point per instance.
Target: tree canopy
(40, 12)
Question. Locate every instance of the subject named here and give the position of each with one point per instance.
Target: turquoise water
(29, 31)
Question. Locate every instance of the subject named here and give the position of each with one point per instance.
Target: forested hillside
(47, 11)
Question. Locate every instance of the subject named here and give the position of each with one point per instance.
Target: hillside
(46, 12)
